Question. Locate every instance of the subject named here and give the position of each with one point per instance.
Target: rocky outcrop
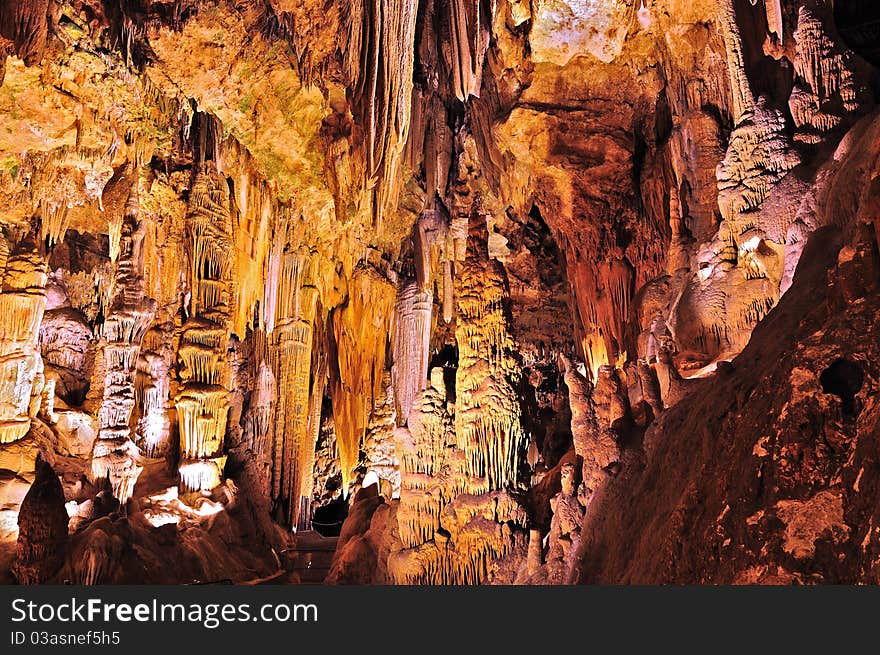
(42, 528)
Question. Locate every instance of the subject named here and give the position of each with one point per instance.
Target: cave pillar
(114, 454)
(294, 447)
(411, 346)
(487, 424)
(203, 398)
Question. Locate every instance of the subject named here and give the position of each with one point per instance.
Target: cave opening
(844, 379)
(446, 357)
(328, 519)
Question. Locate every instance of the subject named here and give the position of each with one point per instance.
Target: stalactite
(603, 294)
(829, 87)
(360, 329)
(55, 219)
(743, 99)
(263, 401)
(773, 9)
(410, 346)
(380, 69)
(424, 451)
(307, 453)
(469, 42)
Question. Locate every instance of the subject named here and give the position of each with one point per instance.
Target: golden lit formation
(439, 291)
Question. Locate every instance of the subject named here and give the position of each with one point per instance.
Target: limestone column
(203, 398)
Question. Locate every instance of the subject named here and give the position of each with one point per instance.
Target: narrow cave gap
(767, 76)
(544, 410)
(446, 357)
(685, 195)
(640, 152)
(328, 516)
(663, 120)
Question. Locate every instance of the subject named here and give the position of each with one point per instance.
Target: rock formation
(460, 292)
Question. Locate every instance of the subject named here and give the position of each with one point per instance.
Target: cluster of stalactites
(487, 425)
(360, 329)
(603, 296)
(203, 399)
(22, 302)
(410, 346)
(256, 213)
(379, 64)
(114, 454)
(470, 41)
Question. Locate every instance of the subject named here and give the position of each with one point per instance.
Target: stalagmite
(410, 346)
(672, 386)
(380, 454)
(487, 423)
(565, 527)
(595, 438)
(650, 386)
(42, 528)
(425, 449)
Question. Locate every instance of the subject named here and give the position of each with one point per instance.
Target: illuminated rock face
(506, 260)
(22, 302)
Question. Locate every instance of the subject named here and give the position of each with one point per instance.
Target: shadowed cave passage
(844, 378)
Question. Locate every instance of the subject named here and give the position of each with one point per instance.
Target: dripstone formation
(439, 291)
